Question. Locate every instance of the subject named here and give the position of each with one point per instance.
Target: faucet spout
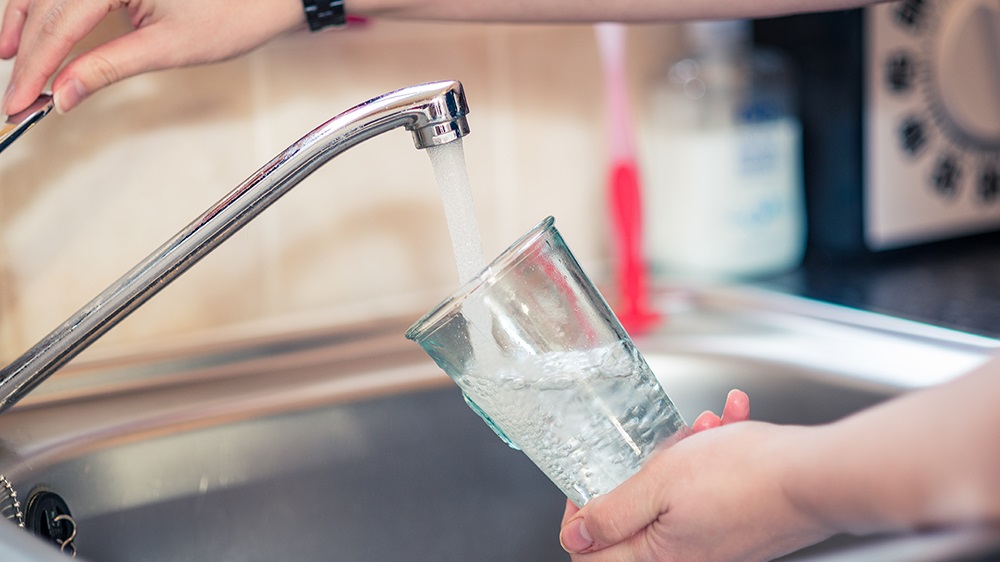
(435, 113)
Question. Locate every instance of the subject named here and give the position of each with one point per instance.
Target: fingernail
(69, 95)
(706, 420)
(574, 536)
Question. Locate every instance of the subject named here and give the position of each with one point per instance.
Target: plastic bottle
(723, 161)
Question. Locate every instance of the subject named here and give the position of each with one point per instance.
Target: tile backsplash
(85, 196)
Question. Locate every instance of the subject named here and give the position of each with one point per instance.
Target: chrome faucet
(435, 113)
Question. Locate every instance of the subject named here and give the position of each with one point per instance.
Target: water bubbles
(588, 419)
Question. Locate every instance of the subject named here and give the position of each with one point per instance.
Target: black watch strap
(324, 13)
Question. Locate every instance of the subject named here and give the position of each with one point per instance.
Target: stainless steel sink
(349, 444)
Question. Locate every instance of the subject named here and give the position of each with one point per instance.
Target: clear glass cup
(540, 356)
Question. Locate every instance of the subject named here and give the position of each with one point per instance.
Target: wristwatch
(324, 13)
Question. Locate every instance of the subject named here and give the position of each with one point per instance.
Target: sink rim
(223, 354)
(140, 393)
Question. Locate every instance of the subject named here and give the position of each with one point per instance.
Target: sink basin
(347, 443)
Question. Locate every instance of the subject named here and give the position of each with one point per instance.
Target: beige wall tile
(83, 197)
(86, 196)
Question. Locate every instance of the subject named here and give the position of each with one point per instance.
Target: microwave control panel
(932, 120)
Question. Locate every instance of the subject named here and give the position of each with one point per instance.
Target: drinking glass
(540, 356)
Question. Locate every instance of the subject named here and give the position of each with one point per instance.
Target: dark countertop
(953, 284)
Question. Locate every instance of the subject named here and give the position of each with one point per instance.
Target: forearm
(927, 458)
(588, 10)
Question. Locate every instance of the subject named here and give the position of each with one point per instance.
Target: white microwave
(900, 104)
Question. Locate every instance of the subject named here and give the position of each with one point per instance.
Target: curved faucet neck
(434, 112)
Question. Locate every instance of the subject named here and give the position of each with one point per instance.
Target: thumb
(120, 58)
(618, 515)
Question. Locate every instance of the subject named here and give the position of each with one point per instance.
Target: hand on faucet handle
(165, 33)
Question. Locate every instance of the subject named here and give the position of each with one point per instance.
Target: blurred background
(863, 145)
(87, 195)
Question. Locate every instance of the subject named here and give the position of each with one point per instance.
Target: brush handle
(624, 192)
(611, 42)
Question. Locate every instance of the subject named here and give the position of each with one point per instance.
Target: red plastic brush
(632, 277)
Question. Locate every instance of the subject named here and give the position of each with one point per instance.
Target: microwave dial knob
(965, 72)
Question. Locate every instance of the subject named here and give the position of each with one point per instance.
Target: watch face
(321, 14)
(932, 120)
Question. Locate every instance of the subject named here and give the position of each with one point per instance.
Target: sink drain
(47, 516)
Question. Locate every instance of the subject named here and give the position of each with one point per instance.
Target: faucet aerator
(440, 133)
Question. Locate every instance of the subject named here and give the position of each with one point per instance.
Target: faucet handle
(15, 125)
